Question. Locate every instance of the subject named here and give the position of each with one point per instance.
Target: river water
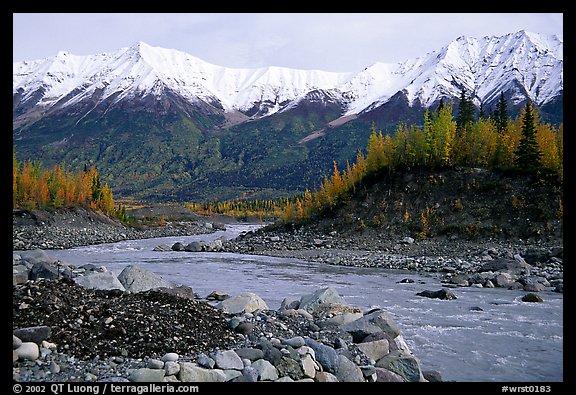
(483, 335)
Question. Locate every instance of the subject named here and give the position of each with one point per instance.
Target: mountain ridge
(534, 60)
(157, 132)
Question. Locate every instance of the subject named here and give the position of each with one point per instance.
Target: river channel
(486, 334)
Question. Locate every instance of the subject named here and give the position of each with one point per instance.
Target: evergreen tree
(465, 113)
(501, 114)
(527, 153)
(482, 114)
(440, 105)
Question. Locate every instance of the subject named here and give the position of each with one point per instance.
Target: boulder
(252, 354)
(312, 302)
(348, 371)
(227, 360)
(325, 356)
(405, 365)
(146, 375)
(500, 264)
(534, 287)
(48, 271)
(442, 294)
(28, 350)
(194, 246)
(326, 377)
(215, 246)
(104, 280)
(162, 248)
(178, 246)
(247, 302)
(266, 371)
(532, 298)
(191, 372)
(375, 349)
(137, 279)
(35, 256)
(386, 376)
(374, 322)
(35, 334)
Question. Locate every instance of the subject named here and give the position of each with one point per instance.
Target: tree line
(36, 187)
(494, 142)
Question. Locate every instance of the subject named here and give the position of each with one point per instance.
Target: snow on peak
(484, 66)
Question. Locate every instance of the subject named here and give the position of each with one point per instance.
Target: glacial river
(484, 335)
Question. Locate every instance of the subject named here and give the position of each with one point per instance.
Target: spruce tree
(527, 153)
(465, 113)
(501, 114)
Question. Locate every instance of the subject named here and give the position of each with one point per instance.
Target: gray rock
(191, 372)
(348, 371)
(105, 280)
(284, 379)
(34, 334)
(244, 328)
(171, 368)
(376, 321)
(245, 302)
(405, 365)
(266, 371)
(432, 376)
(162, 248)
(289, 367)
(534, 287)
(297, 341)
(341, 319)
(500, 264)
(48, 271)
(36, 256)
(249, 375)
(326, 377)
(407, 240)
(194, 246)
(442, 294)
(532, 298)
(215, 246)
(231, 374)
(155, 364)
(16, 342)
(252, 354)
(28, 350)
(137, 279)
(170, 356)
(205, 361)
(502, 280)
(386, 376)
(146, 375)
(308, 366)
(228, 360)
(311, 302)
(178, 246)
(325, 356)
(289, 303)
(375, 349)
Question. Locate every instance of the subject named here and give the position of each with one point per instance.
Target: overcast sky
(332, 42)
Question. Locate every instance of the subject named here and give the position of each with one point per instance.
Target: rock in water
(532, 298)
(442, 294)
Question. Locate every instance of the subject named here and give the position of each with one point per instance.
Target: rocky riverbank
(87, 324)
(517, 264)
(72, 227)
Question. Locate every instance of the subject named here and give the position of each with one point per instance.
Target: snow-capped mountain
(526, 64)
